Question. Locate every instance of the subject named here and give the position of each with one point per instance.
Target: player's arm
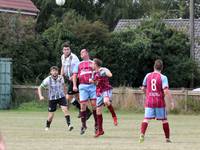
(108, 72)
(74, 77)
(43, 85)
(144, 84)
(40, 93)
(166, 90)
(169, 96)
(62, 67)
(64, 86)
(105, 72)
(62, 71)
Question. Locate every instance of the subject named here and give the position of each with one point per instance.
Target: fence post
(186, 99)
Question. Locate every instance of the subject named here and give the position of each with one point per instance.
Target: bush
(130, 54)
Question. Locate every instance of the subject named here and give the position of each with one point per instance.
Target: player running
(56, 89)
(155, 85)
(104, 94)
(87, 90)
(69, 61)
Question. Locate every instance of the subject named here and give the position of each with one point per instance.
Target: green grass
(25, 131)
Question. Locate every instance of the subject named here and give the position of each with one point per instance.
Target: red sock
(111, 109)
(144, 126)
(83, 118)
(166, 129)
(95, 117)
(100, 122)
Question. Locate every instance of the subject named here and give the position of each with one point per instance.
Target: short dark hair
(54, 68)
(98, 62)
(158, 65)
(66, 44)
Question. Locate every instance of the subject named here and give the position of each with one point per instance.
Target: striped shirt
(69, 63)
(55, 87)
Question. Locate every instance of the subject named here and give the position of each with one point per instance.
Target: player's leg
(99, 104)
(84, 96)
(75, 102)
(63, 103)
(161, 114)
(73, 96)
(149, 114)
(107, 102)
(52, 108)
(92, 95)
(83, 116)
(94, 112)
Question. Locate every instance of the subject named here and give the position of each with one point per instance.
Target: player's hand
(75, 89)
(70, 78)
(41, 98)
(172, 105)
(91, 81)
(142, 88)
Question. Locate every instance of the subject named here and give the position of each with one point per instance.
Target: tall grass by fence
(123, 98)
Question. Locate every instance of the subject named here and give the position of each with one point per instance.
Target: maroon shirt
(155, 84)
(103, 83)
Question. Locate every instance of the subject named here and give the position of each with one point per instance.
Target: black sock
(88, 111)
(76, 104)
(67, 120)
(48, 123)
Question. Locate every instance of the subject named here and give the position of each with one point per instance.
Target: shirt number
(153, 84)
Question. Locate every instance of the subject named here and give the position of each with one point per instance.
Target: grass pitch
(25, 131)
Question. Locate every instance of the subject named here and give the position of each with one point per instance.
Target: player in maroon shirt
(156, 86)
(87, 91)
(104, 93)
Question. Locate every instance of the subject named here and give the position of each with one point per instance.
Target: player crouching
(104, 94)
(56, 91)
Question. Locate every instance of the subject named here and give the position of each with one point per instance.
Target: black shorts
(53, 104)
(70, 88)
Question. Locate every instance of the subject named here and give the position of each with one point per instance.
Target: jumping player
(104, 93)
(155, 85)
(87, 90)
(56, 89)
(69, 61)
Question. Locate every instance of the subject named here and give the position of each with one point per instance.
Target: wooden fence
(123, 98)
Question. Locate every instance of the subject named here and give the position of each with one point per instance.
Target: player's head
(158, 65)
(97, 63)
(54, 71)
(66, 49)
(84, 54)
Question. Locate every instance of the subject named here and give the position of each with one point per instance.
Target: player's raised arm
(108, 73)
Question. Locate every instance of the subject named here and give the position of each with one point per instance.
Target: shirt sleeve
(45, 83)
(144, 83)
(165, 83)
(75, 69)
(74, 63)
